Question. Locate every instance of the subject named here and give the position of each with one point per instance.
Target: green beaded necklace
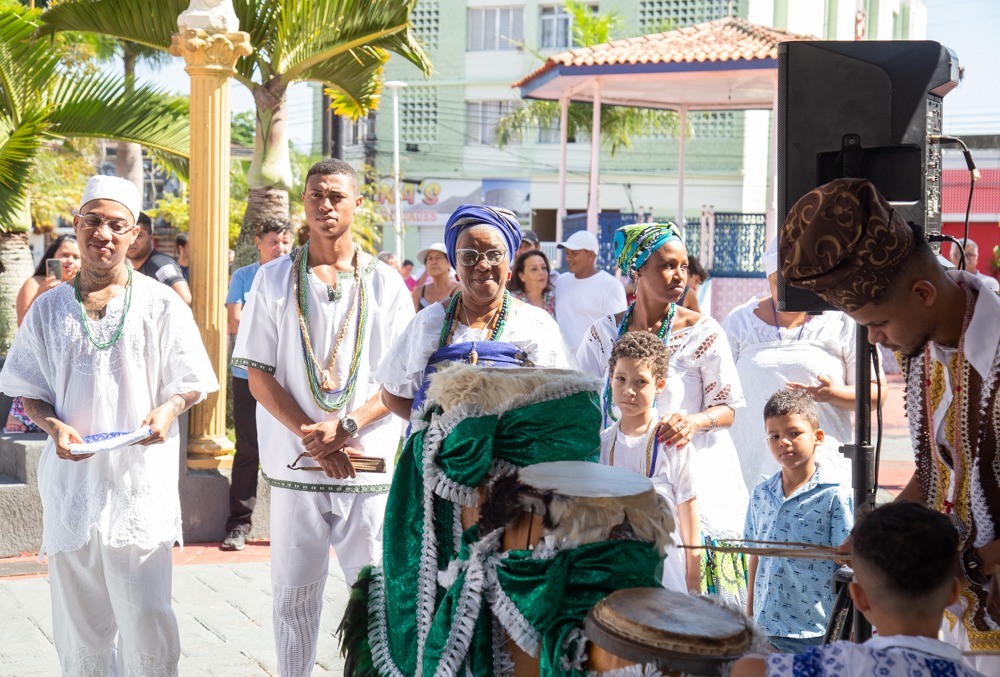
(86, 322)
(323, 392)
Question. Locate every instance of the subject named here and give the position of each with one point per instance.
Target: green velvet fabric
(420, 525)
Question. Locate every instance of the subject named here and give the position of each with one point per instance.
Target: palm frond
(26, 65)
(147, 22)
(355, 82)
(19, 147)
(310, 32)
(102, 106)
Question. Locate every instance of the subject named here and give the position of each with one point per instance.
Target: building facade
(448, 153)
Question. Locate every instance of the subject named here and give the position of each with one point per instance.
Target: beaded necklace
(664, 331)
(498, 319)
(322, 382)
(774, 309)
(121, 323)
(652, 448)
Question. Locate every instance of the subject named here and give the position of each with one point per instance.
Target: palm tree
(344, 43)
(619, 124)
(43, 102)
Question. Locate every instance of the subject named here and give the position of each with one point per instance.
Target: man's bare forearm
(42, 414)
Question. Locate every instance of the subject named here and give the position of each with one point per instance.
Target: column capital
(212, 52)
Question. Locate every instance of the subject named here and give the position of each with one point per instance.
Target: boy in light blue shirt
(791, 598)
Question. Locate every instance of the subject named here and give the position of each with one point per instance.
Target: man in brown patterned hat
(847, 244)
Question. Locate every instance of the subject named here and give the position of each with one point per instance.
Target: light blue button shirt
(793, 597)
(239, 287)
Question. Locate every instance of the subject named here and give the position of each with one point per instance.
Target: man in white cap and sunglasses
(110, 352)
(584, 294)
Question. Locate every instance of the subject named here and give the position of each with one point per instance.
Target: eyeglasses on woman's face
(472, 257)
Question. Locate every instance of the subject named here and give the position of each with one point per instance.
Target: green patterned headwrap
(634, 243)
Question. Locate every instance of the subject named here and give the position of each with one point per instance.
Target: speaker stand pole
(862, 453)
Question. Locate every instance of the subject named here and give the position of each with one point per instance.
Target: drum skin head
(670, 629)
(578, 479)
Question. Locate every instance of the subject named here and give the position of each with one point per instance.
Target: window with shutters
(661, 15)
(481, 119)
(556, 29)
(495, 28)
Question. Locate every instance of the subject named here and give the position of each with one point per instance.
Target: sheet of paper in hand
(99, 442)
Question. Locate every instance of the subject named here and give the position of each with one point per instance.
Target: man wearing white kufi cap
(110, 352)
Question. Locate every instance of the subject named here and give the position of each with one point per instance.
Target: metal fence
(730, 244)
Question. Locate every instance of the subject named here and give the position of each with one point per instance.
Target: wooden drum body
(675, 632)
(569, 504)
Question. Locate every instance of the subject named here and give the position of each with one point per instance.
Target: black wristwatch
(972, 566)
(349, 425)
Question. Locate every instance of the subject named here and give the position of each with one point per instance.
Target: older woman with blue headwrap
(702, 392)
(481, 323)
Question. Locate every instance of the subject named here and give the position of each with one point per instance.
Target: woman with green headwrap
(702, 393)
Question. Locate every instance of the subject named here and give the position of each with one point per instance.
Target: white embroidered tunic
(130, 494)
(701, 375)
(767, 360)
(269, 340)
(531, 329)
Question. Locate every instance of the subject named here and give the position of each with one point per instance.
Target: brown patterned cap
(844, 242)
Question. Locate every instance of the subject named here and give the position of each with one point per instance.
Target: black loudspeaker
(861, 110)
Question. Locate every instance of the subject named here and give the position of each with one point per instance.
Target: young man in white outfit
(110, 351)
(315, 326)
(584, 294)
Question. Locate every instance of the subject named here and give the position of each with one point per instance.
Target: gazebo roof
(724, 64)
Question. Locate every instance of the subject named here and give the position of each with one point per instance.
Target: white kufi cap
(120, 190)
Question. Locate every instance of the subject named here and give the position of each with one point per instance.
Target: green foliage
(55, 181)
(44, 99)
(619, 124)
(242, 129)
(174, 210)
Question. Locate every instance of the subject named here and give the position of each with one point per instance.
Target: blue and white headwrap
(634, 243)
(469, 216)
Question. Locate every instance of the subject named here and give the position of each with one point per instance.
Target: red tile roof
(729, 39)
(955, 192)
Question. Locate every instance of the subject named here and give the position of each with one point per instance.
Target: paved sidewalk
(223, 606)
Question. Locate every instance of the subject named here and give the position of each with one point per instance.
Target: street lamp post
(395, 86)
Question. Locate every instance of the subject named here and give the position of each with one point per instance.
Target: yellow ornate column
(211, 56)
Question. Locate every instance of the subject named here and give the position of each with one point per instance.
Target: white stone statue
(213, 16)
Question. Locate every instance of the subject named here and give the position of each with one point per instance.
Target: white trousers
(304, 526)
(111, 611)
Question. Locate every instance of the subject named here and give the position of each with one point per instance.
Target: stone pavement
(223, 599)
(223, 606)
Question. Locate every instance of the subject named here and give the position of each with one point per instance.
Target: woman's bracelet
(713, 422)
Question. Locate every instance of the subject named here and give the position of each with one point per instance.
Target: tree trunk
(16, 266)
(270, 173)
(128, 156)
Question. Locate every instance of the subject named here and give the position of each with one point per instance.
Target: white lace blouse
(131, 494)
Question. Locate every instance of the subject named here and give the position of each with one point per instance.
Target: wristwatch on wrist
(972, 566)
(349, 425)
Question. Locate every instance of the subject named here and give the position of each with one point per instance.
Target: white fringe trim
(509, 616)
(646, 670)
(453, 491)
(503, 664)
(378, 635)
(565, 384)
(574, 651)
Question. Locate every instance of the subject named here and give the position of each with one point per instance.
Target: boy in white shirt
(638, 368)
(904, 562)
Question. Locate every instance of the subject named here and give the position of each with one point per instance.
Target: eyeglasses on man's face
(93, 221)
(471, 257)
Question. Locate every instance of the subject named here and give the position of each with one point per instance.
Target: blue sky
(971, 28)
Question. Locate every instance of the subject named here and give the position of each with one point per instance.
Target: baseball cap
(436, 247)
(529, 236)
(581, 240)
